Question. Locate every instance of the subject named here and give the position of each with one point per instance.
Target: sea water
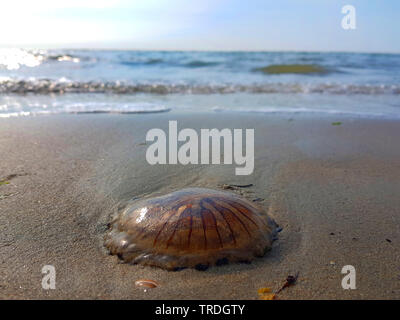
(34, 82)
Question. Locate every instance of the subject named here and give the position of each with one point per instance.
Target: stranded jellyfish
(192, 227)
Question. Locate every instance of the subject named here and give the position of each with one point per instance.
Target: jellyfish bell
(194, 227)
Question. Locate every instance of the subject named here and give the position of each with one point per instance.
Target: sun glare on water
(13, 59)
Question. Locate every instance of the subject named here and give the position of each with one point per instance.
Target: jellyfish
(191, 228)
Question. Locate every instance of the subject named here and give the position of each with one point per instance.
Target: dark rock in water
(292, 68)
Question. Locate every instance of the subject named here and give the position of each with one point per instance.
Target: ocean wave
(200, 64)
(304, 110)
(63, 57)
(154, 61)
(32, 109)
(121, 111)
(145, 62)
(63, 86)
(109, 107)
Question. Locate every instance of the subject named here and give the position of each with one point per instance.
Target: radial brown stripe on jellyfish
(212, 231)
(245, 209)
(193, 227)
(205, 206)
(241, 208)
(228, 222)
(180, 214)
(228, 209)
(190, 230)
(170, 215)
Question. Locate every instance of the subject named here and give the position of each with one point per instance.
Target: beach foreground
(334, 189)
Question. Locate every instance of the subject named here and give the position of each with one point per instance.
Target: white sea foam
(80, 81)
(304, 110)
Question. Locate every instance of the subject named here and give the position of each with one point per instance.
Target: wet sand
(335, 190)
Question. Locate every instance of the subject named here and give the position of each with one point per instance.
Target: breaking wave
(304, 110)
(63, 86)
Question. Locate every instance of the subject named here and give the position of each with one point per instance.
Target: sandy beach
(334, 189)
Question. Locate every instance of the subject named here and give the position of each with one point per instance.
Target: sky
(300, 25)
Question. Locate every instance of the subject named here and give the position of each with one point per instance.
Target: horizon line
(193, 50)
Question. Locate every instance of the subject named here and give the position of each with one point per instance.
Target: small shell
(146, 283)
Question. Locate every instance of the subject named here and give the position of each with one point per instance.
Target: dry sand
(335, 190)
